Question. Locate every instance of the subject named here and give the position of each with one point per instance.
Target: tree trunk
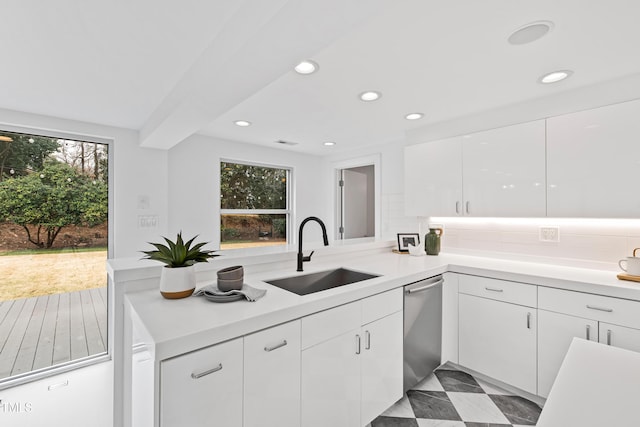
(37, 241)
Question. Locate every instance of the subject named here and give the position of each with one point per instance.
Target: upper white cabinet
(433, 178)
(499, 172)
(593, 163)
(503, 171)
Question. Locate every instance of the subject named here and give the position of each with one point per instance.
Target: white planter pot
(177, 282)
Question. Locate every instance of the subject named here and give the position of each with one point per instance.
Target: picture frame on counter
(406, 239)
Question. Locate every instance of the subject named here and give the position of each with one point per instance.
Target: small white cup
(631, 265)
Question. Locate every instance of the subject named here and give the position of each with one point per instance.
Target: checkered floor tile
(451, 398)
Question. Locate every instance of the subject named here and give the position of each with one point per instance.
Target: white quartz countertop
(173, 327)
(597, 385)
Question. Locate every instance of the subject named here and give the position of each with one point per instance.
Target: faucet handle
(307, 258)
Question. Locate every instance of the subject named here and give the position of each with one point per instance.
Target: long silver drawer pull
(608, 336)
(204, 373)
(467, 204)
(357, 344)
(424, 288)
(277, 346)
(528, 320)
(588, 332)
(367, 340)
(457, 207)
(494, 289)
(593, 307)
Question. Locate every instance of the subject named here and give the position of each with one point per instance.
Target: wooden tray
(625, 276)
(395, 251)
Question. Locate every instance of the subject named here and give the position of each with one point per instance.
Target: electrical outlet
(550, 234)
(147, 221)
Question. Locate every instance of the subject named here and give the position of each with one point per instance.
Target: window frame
(287, 212)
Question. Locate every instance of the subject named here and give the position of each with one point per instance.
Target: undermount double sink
(315, 282)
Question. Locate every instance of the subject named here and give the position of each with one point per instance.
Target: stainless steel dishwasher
(422, 329)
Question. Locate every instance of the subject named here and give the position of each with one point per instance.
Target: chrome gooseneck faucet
(301, 257)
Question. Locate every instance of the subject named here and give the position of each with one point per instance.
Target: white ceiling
(174, 68)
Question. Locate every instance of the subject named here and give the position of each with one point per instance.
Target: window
(254, 205)
(53, 248)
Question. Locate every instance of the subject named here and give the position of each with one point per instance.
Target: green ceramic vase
(432, 241)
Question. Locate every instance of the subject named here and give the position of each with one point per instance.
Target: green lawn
(37, 273)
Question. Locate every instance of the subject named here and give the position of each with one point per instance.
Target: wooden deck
(44, 331)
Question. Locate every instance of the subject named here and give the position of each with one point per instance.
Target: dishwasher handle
(424, 288)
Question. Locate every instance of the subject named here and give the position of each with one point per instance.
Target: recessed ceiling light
(530, 32)
(370, 95)
(306, 67)
(555, 76)
(329, 143)
(242, 123)
(414, 116)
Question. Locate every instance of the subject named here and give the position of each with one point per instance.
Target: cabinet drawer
(198, 386)
(381, 305)
(327, 324)
(605, 309)
(500, 290)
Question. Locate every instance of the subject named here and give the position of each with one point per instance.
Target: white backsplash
(596, 243)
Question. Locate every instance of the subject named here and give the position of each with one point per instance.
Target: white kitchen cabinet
(433, 178)
(499, 172)
(555, 333)
(381, 365)
(203, 387)
(503, 171)
(619, 336)
(498, 338)
(564, 315)
(350, 378)
(272, 377)
(592, 163)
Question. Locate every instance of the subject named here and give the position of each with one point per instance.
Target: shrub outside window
(254, 205)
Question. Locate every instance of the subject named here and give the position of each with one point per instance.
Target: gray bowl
(230, 273)
(226, 285)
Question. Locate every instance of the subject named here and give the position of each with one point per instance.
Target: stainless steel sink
(316, 282)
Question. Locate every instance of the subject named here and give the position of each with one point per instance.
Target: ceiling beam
(263, 40)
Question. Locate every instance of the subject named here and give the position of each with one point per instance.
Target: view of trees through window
(254, 204)
(53, 249)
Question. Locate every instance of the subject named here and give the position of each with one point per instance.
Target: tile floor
(452, 398)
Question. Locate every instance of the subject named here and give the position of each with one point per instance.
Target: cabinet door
(555, 333)
(620, 336)
(433, 178)
(272, 377)
(592, 163)
(381, 365)
(498, 339)
(203, 388)
(330, 383)
(504, 171)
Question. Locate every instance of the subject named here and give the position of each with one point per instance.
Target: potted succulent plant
(178, 279)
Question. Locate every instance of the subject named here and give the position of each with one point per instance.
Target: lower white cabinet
(330, 385)
(555, 333)
(498, 339)
(381, 351)
(272, 377)
(619, 336)
(350, 378)
(203, 387)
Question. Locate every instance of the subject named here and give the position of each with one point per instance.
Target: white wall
(137, 172)
(194, 185)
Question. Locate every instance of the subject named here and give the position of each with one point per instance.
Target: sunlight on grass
(36, 274)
